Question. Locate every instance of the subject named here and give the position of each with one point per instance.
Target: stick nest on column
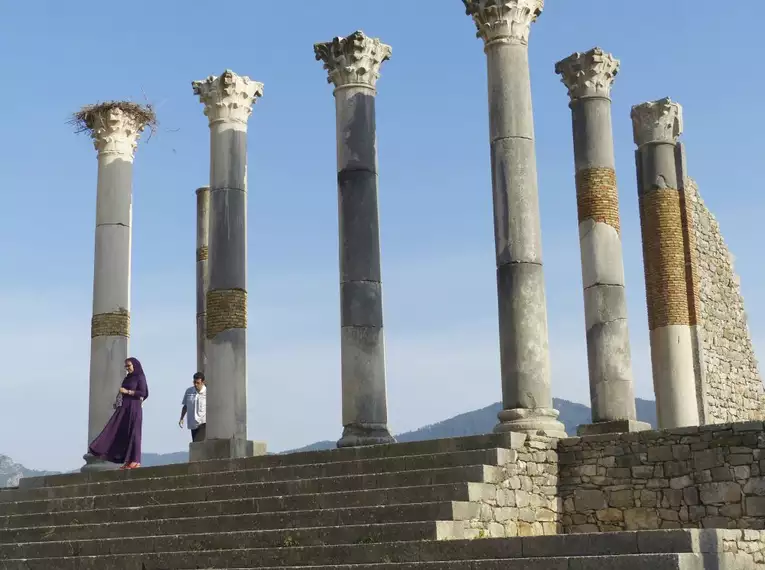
(85, 119)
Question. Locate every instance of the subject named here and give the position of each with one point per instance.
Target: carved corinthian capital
(229, 97)
(657, 121)
(353, 61)
(504, 21)
(588, 74)
(115, 126)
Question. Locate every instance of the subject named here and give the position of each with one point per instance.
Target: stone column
(115, 129)
(353, 65)
(504, 26)
(228, 101)
(203, 232)
(656, 127)
(589, 77)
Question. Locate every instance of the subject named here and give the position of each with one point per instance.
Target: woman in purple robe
(120, 440)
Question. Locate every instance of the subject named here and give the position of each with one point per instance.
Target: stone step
(415, 512)
(337, 500)
(618, 562)
(252, 539)
(265, 474)
(422, 477)
(427, 447)
(527, 549)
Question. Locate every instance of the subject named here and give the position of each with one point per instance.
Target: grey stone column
(115, 129)
(228, 101)
(504, 26)
(669, 291)
(203, 233)
(589, 77)
(353, 65)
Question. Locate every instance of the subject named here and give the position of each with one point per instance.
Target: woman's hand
(127, 392)
(123, 390)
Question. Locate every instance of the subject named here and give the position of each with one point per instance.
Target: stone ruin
(690, 495)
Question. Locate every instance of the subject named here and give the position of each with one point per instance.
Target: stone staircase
(378, 508)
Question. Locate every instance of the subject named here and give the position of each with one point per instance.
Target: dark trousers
(200, 433)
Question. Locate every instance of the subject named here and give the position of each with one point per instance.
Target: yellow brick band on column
(202, 253)
(110, 324)
(597, 197)
(226, 309)
(664, 258)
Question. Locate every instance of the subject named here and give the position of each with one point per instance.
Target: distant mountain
(11, 472)
(483, 421)
(469, 423)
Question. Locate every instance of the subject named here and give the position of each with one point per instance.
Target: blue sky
(435, 197)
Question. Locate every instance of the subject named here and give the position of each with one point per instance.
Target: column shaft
(523, 336)
(228, 103)
(589, 77)
(667, 292)
(353, 65)
(110, 325)
(114, 127)
(362, 346)
(203, 232)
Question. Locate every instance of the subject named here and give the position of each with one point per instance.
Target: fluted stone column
(228, 101)
(115, 129)
(589, 77)
(353, 65)
(504, 26)
(671, 312)
(203, 233)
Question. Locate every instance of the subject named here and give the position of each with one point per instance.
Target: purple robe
(120, 440)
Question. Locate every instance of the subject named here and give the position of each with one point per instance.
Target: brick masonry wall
(700, 477)
(733, 385)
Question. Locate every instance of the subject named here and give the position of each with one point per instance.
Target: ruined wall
(733, 389)
(698, 477)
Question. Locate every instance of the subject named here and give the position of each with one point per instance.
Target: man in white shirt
(195, 406)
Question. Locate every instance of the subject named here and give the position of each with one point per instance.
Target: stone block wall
(700, 477)
(520, 497)
(732, 388)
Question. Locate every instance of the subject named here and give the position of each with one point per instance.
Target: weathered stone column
(115, 128)
(589, 77)
(228, 101)
(203, 233)
(504, 26)
(656, 127)
(353, 65)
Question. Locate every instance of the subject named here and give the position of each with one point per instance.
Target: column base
(96, 464)
(613, 426)
(360, 435)
(533, 421)
(225, 449)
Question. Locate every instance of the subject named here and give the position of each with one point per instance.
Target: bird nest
(85, 119)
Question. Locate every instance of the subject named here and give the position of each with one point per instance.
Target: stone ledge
(616, 426)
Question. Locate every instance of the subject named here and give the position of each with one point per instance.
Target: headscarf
(138, 374)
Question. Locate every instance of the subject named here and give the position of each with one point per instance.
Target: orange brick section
(202, 253)
(596, 196)
(110, 324)
(226, 309)
(664, 258)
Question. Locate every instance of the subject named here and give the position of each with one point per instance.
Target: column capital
(114, 126)
(228, 97)
(657, 121)
(588, 74)
(504, 21)
(353, 61)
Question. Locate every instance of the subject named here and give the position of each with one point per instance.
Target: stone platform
(485, 502)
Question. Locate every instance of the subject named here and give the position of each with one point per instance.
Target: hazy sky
(435, 197)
